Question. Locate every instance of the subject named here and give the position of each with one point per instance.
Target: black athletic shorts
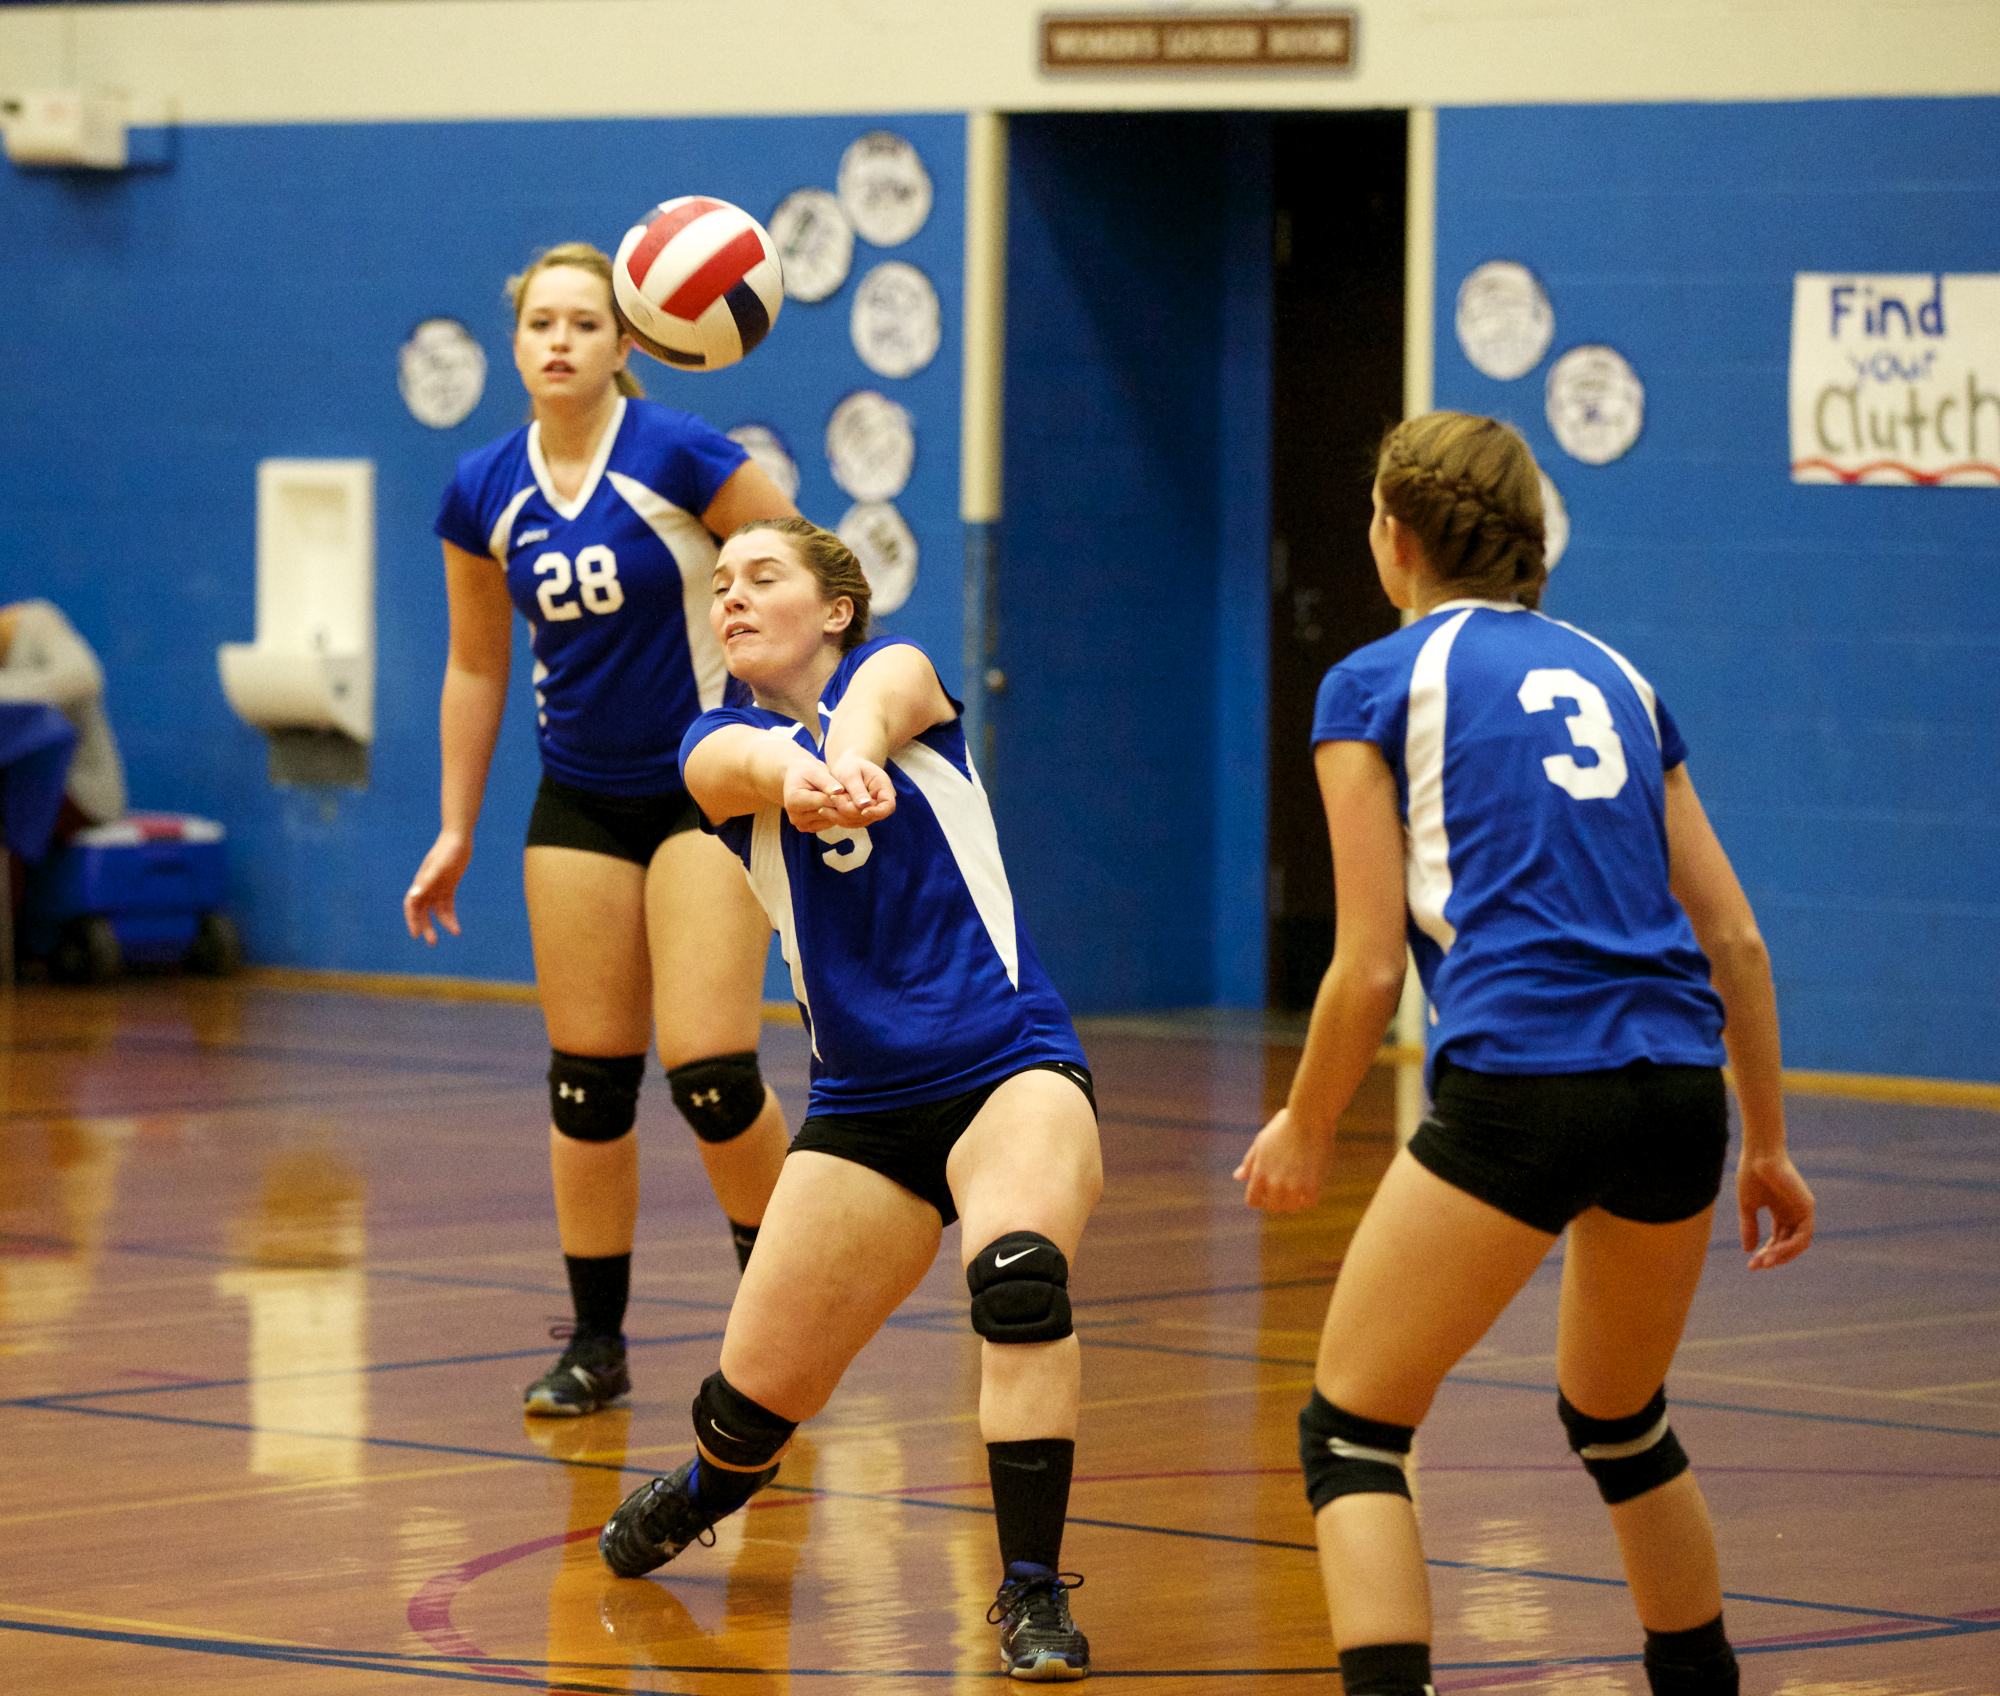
(909, 1145)
(627, 827)
(1644, 1142)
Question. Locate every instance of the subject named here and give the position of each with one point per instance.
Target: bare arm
(894, 697)
(469, 713)
(747, 495)
(1705, 884)
(1286, 1165)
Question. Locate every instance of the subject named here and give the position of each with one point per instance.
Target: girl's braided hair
(1468, 491)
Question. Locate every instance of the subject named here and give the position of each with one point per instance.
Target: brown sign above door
(1198, 41)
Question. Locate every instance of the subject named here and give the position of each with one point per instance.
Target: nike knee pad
(737, 1431)
(594, 1098)
(1346, 1455)
(1629, 1456)
(720, 1097)
(1020, 1290)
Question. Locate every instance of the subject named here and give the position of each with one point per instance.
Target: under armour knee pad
(721, 1097)
(594, 1098)
(1629, 1456)
(1345, 1455)
(736, 1430)
(1020, 1290)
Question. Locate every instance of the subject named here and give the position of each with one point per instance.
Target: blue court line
(124, 1392)
(1893, 1180)
(1738, 1407)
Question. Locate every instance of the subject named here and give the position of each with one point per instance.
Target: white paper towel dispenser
(312, 667)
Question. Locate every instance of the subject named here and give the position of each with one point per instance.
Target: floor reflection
(298, 1267)
(58, 1184)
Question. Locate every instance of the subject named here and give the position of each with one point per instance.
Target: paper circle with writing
(871, 446)
(1505, 322)
(895, 321)
(441, 371)
(887, 550)
(1596, 404)
(815, 243)
(884, 188)
(769, 454)
(1555, 521)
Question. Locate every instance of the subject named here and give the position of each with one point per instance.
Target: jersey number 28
(1589, 726)
(595, 580)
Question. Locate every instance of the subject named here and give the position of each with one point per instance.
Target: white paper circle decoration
(884, 188)
(895, 321)
(1505, 322)
(769, 454)
(815, 243)
(1555, 521)
(887, 550)
(1596, 404)
(441, 372)
(870, 446)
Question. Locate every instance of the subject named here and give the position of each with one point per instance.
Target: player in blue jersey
(1512, 792)
(947, 1081)
(598, 521)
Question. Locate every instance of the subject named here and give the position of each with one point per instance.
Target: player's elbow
(1736, 948)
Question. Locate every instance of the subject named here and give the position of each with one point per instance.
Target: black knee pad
(736, 1430)
(1629, 1456)
(1020, 1290)
(594, 1098)
(1346, 1455)
(721, 1097)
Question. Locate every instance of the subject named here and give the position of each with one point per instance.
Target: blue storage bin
(152, 881)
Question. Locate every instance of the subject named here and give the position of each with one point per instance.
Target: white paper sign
(1596, 404)
(441, 372)
(887, 550)
(815, 243)
(871, 446)
(769, 454)
(895, 322)
(884, 189)
(1896, 378)
(1504, 320)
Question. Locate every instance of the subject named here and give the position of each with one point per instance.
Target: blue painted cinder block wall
(169, 327)
(1833, 654)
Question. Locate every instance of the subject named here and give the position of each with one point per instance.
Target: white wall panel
(334, 60)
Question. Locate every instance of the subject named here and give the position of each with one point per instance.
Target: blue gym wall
(1833, 654)
(244, 297)
(1131, 595)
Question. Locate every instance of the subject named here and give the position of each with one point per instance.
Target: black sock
(598, 1288)
(745, 1239)
(719, 1492)
(1386, 1669)
(1699, 1662)
(1031, 1497)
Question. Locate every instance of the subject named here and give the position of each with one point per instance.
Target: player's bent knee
(1020, 1290)
(720, 1097)
(1626, 1457)
(736, 1430)
(1346, 1455)
(594, 1098)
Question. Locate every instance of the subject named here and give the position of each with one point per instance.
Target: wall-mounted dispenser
(308, 680)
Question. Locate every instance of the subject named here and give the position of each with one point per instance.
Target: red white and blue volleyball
(698, 282)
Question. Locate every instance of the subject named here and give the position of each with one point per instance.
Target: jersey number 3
(595, 580)
(1590, 727)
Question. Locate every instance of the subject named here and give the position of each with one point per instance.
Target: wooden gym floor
(275, 1265)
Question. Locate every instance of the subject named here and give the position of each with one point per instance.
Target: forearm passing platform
(720, 1097)
(1627, 1457)
(594, 1098)
(1346, 1455)
(1020, 1290)
(737, 1431)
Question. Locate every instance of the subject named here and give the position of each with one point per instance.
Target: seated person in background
(42, 658)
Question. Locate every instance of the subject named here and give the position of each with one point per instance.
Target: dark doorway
(1338, 183)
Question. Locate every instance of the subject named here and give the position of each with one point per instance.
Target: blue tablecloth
(35, 745)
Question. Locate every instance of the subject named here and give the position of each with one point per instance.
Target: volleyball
(698, 282)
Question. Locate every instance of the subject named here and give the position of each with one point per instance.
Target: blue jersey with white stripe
(911, 968)
(1529, 761)
(614, 585)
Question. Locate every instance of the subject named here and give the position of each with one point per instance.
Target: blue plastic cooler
(144, 890)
